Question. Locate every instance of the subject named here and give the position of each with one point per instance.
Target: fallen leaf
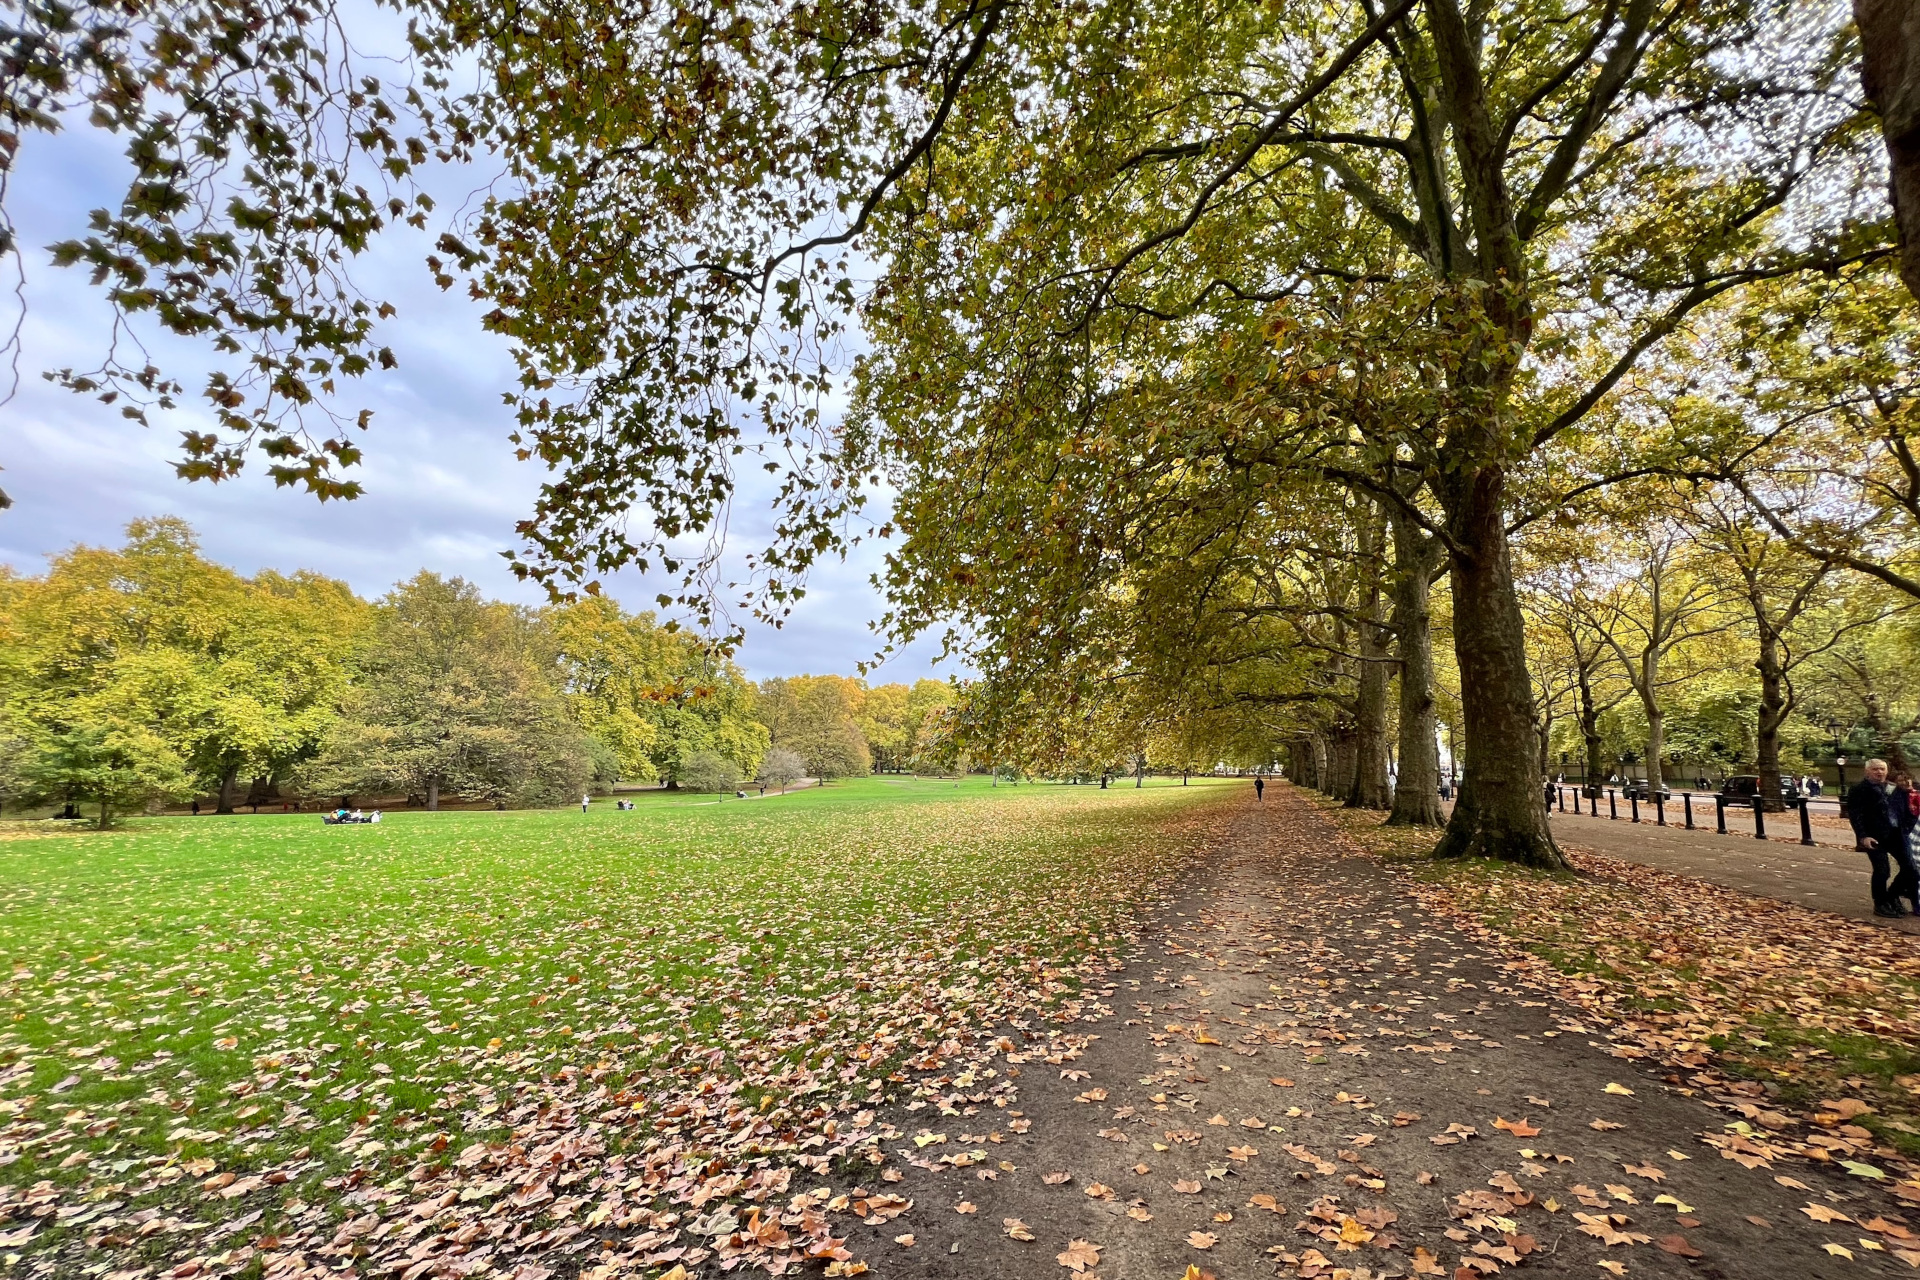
(1282, 1081)
(1016, 1228)
(1187, 1187)
(1839, 1251)
(1821, 1213)
(1055, 1179)
(1647, 1171)
(1677, 1205)
(1602, 1125)
(1620, 1089)
(905, 1241)
(1202, 1239)
(1618, 1268)
(1079, 1255)
(1139, 1214)
(1678, 1246)
(1518, 1128)
(966, 1206)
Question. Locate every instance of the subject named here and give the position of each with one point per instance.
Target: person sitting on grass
(1876, 833)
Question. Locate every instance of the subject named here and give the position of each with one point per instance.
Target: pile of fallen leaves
(524, 1084)
(1802, 1022)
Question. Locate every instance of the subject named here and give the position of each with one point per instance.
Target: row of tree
(1218, 358)
(149, 674)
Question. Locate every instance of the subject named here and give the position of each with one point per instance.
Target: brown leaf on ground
(1678, 1246)
(1079, 1255)
(1016, 1229)
(1055, 1179)
(1187, 1187)
(966, 1206)
(1202, 1239)
(1821, 1213)
(1518, 1128)
(1647, 1171)
(1602, 1125)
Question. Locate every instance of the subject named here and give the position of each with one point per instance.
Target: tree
(781, 768)
(654, 694)
(454, 694)
(708, 772)
(1643, 600)
(237, 676)
(116, 766)
(818, 717)
(883, 723)
(1890, 73)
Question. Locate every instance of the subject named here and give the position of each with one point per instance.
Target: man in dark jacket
(1876, 832)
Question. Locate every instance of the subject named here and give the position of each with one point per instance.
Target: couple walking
(1884, 815)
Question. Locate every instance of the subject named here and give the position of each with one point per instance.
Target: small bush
(709, 771)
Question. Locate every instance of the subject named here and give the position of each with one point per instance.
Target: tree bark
(1370, 788)
(1773, 713)
(1650, 705)
(228, 787)
(1890, 74)
(1498, 814)
(433, 795)
(1590, 728)
(1416, 801)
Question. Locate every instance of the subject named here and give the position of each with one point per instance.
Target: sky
(443, 487)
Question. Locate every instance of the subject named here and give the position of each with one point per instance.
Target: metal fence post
(1613, 810)
(1633, 804)
(1806, 823)
(1562, 793)
(1720, 814)
(1660, 809)
(1759, 819)
(1686, 802)
(1593, 802)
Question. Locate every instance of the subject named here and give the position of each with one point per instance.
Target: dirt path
(1301, 1073)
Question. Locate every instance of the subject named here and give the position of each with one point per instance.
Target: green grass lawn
(266, 994)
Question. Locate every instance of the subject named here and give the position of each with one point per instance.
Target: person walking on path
(1876, 833)
(1259, 787)
(1905, 803)
(584, 800)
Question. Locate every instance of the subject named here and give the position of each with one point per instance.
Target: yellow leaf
(1839, 1251)
(1619, 1089)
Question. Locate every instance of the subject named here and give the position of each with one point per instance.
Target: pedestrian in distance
(584, 800)
(1259, 787)
(1876, 833)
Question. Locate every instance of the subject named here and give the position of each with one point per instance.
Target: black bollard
(1806, 823)
(1759, 819)
(1686, 802)
(1633, 803)
(1613, 810)
(1660, 809)
(1720, 814)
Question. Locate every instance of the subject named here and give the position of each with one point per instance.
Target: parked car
(1636, 789)
(1745, 786)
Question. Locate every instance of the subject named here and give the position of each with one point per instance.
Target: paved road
(1829, 877)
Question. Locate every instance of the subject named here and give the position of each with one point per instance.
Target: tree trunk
(1371, 789)
(1498, 814)
(1656, 718)
(1890, 74)
(433, 795)
(1773, 714)
(1416, 801)
(1590, 729)
(228, 788)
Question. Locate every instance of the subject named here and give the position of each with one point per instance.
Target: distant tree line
(149, 675)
